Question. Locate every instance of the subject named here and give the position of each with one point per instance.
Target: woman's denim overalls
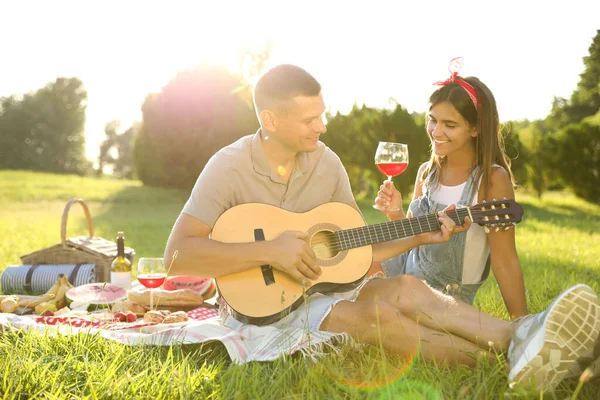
(440, 265)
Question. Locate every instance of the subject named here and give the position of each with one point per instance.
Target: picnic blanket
(250, 343)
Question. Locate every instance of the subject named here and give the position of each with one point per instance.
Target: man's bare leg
(429, 307)
(381, 323)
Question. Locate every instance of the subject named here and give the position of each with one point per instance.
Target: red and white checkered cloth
(198, 314)
(251, 343)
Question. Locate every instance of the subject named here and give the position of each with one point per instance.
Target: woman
(468, 165)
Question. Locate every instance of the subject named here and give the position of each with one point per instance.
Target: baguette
(168, 298)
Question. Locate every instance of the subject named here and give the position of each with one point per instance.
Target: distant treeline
(205, 108)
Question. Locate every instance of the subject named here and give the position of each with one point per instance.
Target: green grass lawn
(558, 242)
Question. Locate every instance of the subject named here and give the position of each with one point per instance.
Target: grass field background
(558, 243)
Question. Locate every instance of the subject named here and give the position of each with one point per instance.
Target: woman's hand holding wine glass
(389, 201)
(392, 160)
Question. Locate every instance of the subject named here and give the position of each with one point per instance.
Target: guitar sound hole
(324, 245)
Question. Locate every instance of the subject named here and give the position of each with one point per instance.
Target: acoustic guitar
(341, 241)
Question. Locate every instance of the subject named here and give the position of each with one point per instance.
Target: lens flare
(370, 369)
(409, 389)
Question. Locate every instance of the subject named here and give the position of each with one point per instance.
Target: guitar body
(341, 241)
(262, 295)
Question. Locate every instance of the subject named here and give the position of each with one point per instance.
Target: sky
(362, 52)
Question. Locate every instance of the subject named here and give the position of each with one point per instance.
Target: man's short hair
(282, 83)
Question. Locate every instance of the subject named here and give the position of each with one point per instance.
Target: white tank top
(477, 247)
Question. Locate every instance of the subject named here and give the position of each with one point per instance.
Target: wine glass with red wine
(151, 273)
(392, 160)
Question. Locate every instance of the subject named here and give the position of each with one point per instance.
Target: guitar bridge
(267, 270)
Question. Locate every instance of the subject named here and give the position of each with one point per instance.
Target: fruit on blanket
(48, 305)
(56, 292)
(95, 295)
(48, 313)
(211, 290)
(62, 290)
(120, 316)
(194, 283)
(207, 287)
(56, 285)
(32, 301)
(130, 317)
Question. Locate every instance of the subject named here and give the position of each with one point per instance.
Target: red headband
(454, 67)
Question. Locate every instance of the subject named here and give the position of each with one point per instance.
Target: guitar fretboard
(371, 234)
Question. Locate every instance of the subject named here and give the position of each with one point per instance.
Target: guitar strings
(380, 236)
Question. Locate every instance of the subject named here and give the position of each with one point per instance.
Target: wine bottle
(120, 270)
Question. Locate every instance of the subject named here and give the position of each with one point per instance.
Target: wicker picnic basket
(81, 249)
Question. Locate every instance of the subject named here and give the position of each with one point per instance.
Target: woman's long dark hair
(489, 142)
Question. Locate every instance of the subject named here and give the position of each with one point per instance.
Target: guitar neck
(384, 232)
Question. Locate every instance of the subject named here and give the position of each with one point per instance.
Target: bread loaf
(165, 317)
(154, 316)
(178, 316)
(184, 298)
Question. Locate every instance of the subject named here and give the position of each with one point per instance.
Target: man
(284, 164)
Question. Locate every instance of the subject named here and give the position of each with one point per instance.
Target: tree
(354, 137)
(577, 152)
(585, 100)
(116, 151)
(587, 95)
(104, 156)
(44, 130)
(198, 112)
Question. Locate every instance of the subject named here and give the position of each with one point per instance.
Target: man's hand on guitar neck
(292, 254)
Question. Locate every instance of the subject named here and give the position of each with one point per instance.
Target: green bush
(577, 155)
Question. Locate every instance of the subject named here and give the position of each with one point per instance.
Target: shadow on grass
(565, 216)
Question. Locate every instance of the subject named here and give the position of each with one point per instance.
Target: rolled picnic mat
(37, 279)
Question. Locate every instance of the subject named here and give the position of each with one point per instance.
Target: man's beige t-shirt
(240, 173)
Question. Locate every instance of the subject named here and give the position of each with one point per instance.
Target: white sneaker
(546, 346)
(590, 360)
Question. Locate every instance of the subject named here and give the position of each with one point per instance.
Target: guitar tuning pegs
(503, 205)
(508, 227)
(497, 228)
(486, 229)
(493, 207)
(496, 217)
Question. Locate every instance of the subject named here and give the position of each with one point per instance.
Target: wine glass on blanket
(151, 273)
(392, 160)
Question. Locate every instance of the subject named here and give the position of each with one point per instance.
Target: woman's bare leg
(429, 307)
(380, 323)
